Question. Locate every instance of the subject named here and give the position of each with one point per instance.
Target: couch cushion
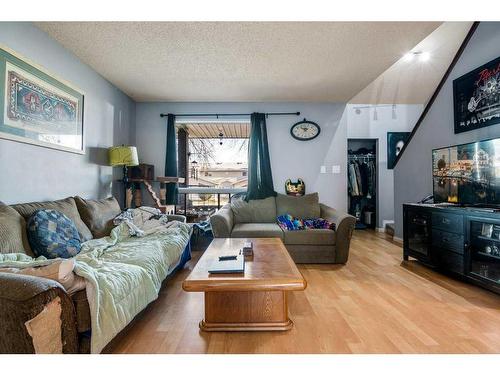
(98, 215)
(256, 230)
(310, 237)
(66, 206)
(304, 207)
(13, 237)
(254, 211)
(53, 235)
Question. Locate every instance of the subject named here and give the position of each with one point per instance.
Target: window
(221, 165)
(214, 155)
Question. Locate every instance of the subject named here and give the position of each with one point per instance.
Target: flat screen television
(467, 174)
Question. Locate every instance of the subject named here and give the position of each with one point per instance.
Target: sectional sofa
(22, 297)
(257, 218)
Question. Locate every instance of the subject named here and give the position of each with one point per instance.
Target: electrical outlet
(323, 169)
(336, 169)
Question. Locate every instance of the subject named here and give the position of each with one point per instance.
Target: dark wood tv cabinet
(461, 241)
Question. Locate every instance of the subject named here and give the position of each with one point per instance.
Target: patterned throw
(288, 222)
(53, 235)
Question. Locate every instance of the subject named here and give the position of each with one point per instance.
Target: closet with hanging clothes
(362, 181)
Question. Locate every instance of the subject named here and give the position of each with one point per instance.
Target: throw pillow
(66, 206)
(53, 235)
(98, 215)
(13, 238)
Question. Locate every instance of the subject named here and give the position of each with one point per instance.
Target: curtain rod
(230, 114)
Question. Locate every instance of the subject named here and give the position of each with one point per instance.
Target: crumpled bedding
(143, 220)
(123, 273)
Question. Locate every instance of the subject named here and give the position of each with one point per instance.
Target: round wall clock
(305, 130)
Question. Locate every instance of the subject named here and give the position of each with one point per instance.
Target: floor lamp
(125, 156)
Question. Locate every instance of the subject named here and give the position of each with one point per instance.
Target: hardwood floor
(374, 304)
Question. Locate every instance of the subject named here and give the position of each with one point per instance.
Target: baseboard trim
(380, 229)
(397, 239)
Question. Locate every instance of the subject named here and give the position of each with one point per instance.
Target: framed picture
(476, 98)
(38, 108)
(395, 143)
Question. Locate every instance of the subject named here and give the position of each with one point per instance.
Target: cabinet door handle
(446, 221)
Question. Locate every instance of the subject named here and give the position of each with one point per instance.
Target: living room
(219, 185)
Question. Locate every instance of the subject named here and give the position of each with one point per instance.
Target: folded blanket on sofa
(289, 222)
(123, 273)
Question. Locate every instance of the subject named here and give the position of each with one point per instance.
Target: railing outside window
(198, 203)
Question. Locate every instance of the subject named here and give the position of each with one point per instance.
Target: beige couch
(24, 297)
(257, 218)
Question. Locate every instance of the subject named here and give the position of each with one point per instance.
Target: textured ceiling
(239, 61)
(413, 82)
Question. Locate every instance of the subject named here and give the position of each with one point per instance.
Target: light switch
(323, 169)
(336, 169)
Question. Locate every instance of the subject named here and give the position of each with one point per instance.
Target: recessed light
(408, 56)
(422, 56)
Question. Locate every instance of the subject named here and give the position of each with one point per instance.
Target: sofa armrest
(222, 222)
(22, 299)
(344, 226)
(180, 218)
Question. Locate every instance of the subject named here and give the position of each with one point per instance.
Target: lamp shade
(123, 155)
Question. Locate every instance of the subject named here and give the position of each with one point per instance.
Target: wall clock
(305, 130)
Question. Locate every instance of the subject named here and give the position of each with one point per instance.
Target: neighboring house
(227, 175)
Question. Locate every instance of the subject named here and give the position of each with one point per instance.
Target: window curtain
(260, 178)
(171, 160)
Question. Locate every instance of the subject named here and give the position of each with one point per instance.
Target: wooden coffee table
(253, 301)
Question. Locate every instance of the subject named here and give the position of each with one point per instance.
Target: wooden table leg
(246, 311)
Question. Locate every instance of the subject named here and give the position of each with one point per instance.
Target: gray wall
(289, 158)
(413, 173)
(364, 125)
(29, 172)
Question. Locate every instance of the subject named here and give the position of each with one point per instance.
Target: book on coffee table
(236, 265)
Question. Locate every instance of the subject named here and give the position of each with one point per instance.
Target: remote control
(227, 257)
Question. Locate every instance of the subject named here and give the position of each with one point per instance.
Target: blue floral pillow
(53, 235)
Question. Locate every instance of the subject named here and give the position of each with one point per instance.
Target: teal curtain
(171, 159)
(260, 178)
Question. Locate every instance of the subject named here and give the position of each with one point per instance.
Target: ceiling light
(409, 56)
(424, 56)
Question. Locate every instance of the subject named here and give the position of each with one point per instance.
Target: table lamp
(125, 156)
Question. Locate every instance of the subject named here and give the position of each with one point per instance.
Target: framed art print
(395, 143)
(38, 108)
(476, 98)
